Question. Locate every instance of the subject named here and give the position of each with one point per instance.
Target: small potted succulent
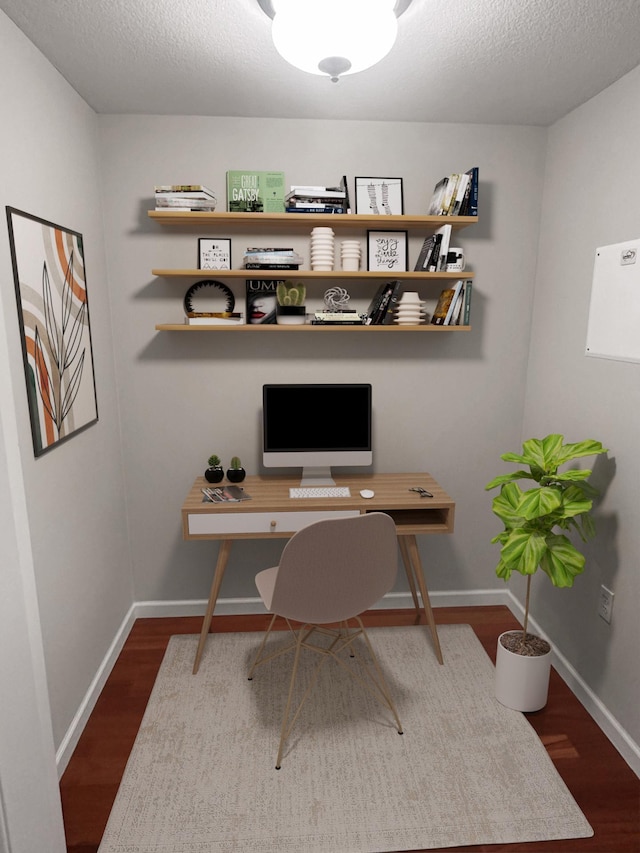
(290, 308)
(215, 471)
(235, 471)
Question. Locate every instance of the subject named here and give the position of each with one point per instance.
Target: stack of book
(454, 305)
(456, 195)
(380, 311)
(317, 200)
(178, 197)
(263, 258)
(338, 318)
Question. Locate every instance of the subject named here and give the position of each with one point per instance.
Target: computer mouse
(366, 493)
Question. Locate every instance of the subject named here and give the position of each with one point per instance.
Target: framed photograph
(387, 251)
(214, 253)
(379, 196)
(53, 312)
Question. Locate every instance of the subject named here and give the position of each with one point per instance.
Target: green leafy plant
(214, 461)
(235, 463)
(291, 294)
(560, 500)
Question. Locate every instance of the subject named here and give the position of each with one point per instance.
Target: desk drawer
(201, 524)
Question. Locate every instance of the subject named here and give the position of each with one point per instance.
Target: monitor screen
(317, 427)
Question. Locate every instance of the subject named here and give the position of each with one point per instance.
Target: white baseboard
(618, 736)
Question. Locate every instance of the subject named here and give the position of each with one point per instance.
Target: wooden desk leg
(221, 564)
(414, 558)
(406, 559)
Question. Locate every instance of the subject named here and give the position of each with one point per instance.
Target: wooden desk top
(411, 513)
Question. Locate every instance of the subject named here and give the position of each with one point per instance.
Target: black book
(389, 314)
(374, 305)
(378, 317)
(422, 264)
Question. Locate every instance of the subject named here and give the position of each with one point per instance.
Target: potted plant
(235, 472)
(530, 540)
(290, 298)
(215, 471)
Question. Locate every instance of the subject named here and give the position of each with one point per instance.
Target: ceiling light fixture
(334, 37)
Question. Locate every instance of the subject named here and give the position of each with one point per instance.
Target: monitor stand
(320, 476)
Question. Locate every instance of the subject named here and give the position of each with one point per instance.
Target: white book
(445, 231)
(454, 307)
(234, 320)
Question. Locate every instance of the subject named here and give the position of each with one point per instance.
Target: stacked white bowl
(322, 248)
(350, 255)
(410, 310)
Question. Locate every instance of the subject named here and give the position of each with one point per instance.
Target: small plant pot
(291, 315)
(236, 475)
(522, 681)
(214, 475)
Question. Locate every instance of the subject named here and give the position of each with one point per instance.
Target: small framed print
(214, 253)
(387, 251)
(379, 196)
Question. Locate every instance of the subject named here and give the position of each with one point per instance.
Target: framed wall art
(379, 196)
(214, 253)
(53, 313)
(387, 251)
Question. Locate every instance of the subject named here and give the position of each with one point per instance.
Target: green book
(255, 192)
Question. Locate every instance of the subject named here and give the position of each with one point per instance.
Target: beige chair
(330, 572)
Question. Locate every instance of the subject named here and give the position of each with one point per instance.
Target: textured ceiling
(472, 61)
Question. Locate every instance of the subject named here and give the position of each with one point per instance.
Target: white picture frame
(214, 253)
(379, 196)
(387, 251)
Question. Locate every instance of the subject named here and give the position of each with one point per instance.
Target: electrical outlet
(605, 605)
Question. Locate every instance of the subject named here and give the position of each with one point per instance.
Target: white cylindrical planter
(522, 681)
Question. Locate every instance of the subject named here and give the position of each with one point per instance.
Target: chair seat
(266, 581)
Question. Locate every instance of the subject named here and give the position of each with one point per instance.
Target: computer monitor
(316, 427)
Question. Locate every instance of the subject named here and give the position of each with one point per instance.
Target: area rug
(201, 777)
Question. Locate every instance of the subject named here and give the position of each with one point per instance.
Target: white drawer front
(260, 522)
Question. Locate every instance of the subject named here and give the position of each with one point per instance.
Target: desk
(271, 513)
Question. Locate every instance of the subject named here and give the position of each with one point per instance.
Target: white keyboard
(320, 492)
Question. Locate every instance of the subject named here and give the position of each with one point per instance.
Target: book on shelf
(435, 205)
(272, 266)
(470, 203)
(323, 208)
(442, 307)
(261, 301)
(380, 309)
(220, 319)
(465, 314)
(187, 204)
(454, 305)
(184, 188)
(429, 253)
(333, 193)
(444, 232)
(461, 190)
(449, 194)
(255, 192)
(337, 318)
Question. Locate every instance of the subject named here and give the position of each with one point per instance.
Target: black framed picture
(387, 251)
(379, 196)
(53, 311)
(214, 253)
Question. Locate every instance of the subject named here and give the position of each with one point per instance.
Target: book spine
(448, 320)
(466, 308)
(324, 208)
(473, 192)
(250, 266)
(377, 319)
(388, 317)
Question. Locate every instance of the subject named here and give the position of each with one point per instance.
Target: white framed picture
(214, 253)
(381, 196)
(387, 251)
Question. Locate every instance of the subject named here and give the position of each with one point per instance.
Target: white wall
(75, 505)
(590, 201)
(448, 404)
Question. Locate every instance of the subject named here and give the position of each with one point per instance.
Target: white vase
(522, 681)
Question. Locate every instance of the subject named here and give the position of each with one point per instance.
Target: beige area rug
(201, 775)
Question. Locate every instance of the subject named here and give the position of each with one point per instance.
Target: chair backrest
(334, 569)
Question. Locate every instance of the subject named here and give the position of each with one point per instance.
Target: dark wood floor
(603, 785)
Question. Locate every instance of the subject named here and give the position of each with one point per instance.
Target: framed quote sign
(214, 253)
(387, 251)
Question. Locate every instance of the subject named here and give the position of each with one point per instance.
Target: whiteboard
(614, 312)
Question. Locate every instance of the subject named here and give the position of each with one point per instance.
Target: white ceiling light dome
(334, 37)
